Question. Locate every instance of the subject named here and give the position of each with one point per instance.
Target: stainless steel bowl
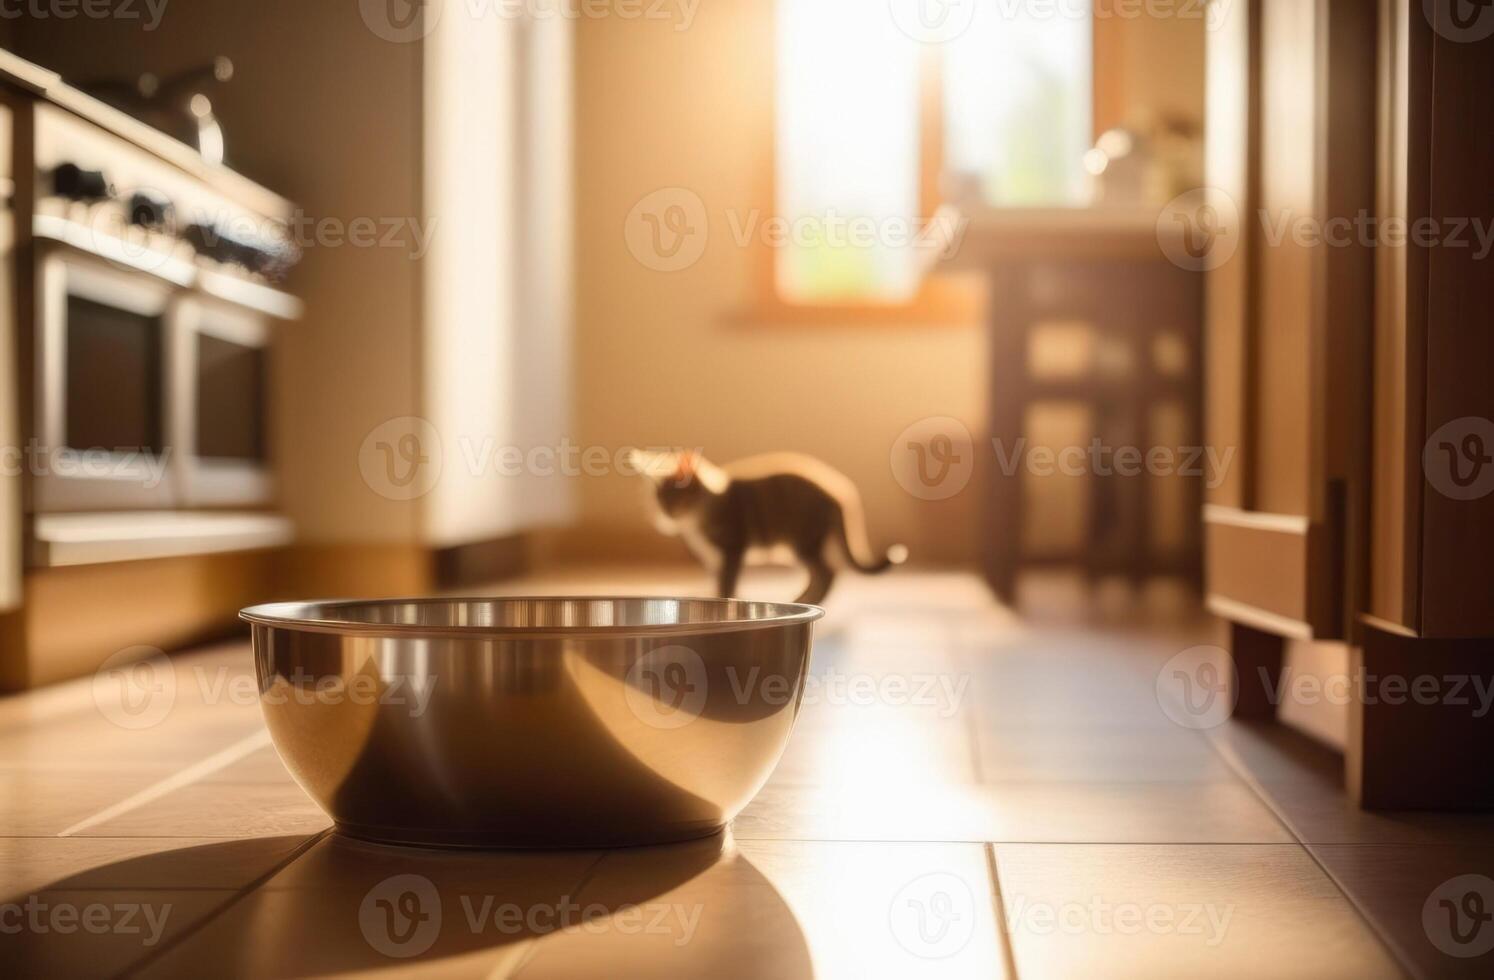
(531, 722)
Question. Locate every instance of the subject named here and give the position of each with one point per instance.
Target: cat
(763, 507)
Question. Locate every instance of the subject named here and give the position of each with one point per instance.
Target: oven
(149, 395)
(154, 313)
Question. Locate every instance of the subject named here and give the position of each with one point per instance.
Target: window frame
(944, 297)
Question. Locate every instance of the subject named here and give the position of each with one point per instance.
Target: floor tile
(84, 934)
(44, 804)
(790, 910)
(86, 863)
(888, 750)
(1090, 755)
(260, 766)
(1431, 902)
(346, 907)
(1181, 911)
(220, 810)
(1304, 781)
(1050, 812)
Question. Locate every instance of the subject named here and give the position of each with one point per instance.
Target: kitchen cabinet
(1346, 361)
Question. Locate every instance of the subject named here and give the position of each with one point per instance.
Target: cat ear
(684, 469)
(655, 466)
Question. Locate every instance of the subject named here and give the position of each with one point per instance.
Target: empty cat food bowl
(531, 722)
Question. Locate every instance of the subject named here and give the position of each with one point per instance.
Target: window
(856, 144)
(1017, 104)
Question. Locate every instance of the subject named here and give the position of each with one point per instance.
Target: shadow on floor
(345, 905)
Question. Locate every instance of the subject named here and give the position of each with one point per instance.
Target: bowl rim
(291, 616)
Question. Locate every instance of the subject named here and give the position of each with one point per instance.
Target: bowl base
(496, 841)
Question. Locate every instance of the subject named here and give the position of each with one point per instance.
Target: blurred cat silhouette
(764, 507)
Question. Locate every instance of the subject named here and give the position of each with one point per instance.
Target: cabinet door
(1433, 527)
(1291, 142)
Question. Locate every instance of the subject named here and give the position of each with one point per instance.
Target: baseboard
(75, 618)
(477, 562)
(605, 544)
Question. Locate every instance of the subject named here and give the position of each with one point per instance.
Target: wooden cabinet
(1290, 149)
(1434, 349)
(1348, 354)
(1428, 611)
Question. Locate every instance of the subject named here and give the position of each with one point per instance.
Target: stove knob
(76, 184)
(148, 210)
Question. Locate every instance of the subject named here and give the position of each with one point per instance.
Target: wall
(677, 358)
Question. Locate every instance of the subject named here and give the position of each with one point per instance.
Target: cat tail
(852, 529)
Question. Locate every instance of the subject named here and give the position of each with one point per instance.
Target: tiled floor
(1024, 807)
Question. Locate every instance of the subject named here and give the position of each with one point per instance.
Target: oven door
(101, 438)
(220, 375)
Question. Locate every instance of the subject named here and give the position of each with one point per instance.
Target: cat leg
(821, 577)
(727, 573)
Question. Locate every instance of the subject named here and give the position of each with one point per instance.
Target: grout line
(1004, 841)
(1247, 776)
(513, 963)
(185, 777)
(998, 904)
(228, 903)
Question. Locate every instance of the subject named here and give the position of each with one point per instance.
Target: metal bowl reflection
(531, 722)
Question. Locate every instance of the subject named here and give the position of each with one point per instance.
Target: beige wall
(670, 359)
(665, 358)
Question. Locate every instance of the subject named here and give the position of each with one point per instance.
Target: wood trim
(1394, 545)
(1234, 517)
(1386, 626)
(1261, 619)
